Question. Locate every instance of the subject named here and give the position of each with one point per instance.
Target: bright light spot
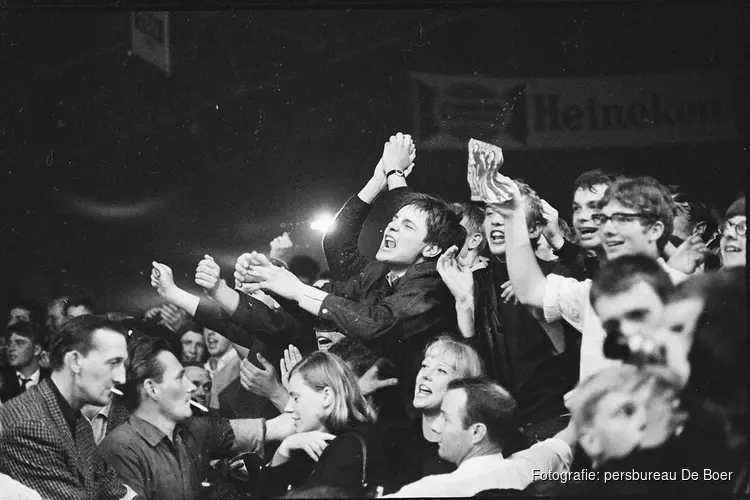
(322, 223)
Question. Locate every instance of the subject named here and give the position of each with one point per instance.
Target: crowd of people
(487, 348)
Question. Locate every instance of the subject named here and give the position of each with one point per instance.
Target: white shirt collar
(223, 361)
(33, 379)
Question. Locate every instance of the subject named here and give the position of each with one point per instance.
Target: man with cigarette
(162, 451)
(45, 442)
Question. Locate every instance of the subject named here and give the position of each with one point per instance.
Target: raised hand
(313, 443)
(371, 381)
(280, 247)
(398, 153)
(208, 274)
(508, 294)
(244, 262)
(689, 255)
(261, 381)
(162, 279)
(292, 356)
(505, 190)
(551, 229)
(457, 277)
(275, 279)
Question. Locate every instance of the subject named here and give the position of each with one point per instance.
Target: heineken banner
(536, 113)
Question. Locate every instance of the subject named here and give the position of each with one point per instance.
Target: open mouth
(423, 390)
(497, 237)
(389, 242)
(587, 232)
(612, 244)
(732, 249)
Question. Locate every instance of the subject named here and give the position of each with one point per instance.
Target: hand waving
(162, 279)
(208, 274)
(292, 356)
(457, 277)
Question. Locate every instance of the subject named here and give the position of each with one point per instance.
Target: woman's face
(432, 382)
(307, 406)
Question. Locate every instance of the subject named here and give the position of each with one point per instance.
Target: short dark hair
(697, 211)
(83, 300)
(490, 404)
(621, 274)
(190, 326)
(77, 334)
(358, 356)
(34, 308)
(645, 195)
(474, 215)
(444, 227)
(28, 330)
(143, 364)
(596, 177)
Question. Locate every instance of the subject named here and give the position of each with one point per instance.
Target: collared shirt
(32, 380)
(158, 468)
(69, 414)
(489, 472)
(223, 361)
(568, 298)
(99, 423)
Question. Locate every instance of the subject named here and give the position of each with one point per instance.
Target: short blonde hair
(350, 408)
(624, 379)
(461, 356)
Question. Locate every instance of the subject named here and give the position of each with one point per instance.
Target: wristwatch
(397, 172)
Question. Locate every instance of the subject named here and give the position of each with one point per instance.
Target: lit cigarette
(199, 406)
(116, 391)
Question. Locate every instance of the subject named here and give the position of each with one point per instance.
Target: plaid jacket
(38, 450)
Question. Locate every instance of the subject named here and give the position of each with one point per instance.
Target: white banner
(535, 113)
(150, 38)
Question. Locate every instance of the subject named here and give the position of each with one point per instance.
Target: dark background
(272, 116)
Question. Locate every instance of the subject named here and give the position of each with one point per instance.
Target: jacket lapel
(79, 465)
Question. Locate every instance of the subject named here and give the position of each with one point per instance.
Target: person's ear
(655, 230)
(475, 240)
(327, 397)
(431, 251)
(590, 443)
(73, 359)
(478, 432)
(535, 231)
(37, 350)
(151, 390)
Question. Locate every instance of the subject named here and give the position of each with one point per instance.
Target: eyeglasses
(740, 228)
(618, 218)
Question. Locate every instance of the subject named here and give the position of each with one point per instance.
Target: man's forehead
(596, 191)
(196, 372)
(412, 212)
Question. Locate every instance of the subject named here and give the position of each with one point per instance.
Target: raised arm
(460, 281)
(525, 274)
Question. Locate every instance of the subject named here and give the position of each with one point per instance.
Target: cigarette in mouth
(199, 406)
(116, 391)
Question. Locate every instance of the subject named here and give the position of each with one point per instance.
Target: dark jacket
(339, 466)
(582, 266)
(517, 351)
(398, 320)
(10, 386)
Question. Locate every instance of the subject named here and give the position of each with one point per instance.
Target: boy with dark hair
(23, 370)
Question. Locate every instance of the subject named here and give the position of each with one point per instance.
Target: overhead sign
(536, 113)
(150, 38)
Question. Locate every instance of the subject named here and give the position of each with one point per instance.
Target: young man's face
(22, 351)
(18, 315)
(584, 205)
(217, 344)
(732, 244)
(103, 367)
(494, 230)
(174, 392)
(404, 239)
(636, 311)
(202, 382)
(193, 346)
(628, 237)
(455, 442)
(55, 317)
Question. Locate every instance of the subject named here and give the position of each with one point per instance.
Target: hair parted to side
(77, 334)
(444, 227)
(350, 408)
(143, 364)
(460, 355)
(596, 177)
(488, 403)
(623, 273)
(644, 195)
(27, 330)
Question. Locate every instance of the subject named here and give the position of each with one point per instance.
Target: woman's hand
(313, 443)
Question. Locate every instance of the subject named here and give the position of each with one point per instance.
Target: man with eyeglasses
(734, 234)
(635, 217)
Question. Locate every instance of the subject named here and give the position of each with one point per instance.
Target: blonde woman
(334, 432)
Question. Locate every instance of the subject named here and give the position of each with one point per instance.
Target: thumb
(389, 382)
(264, 362)
(208, 257)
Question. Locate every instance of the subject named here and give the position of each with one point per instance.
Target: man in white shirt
(223, 364)
(24, 350)
(636, 217)
(476, 419)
